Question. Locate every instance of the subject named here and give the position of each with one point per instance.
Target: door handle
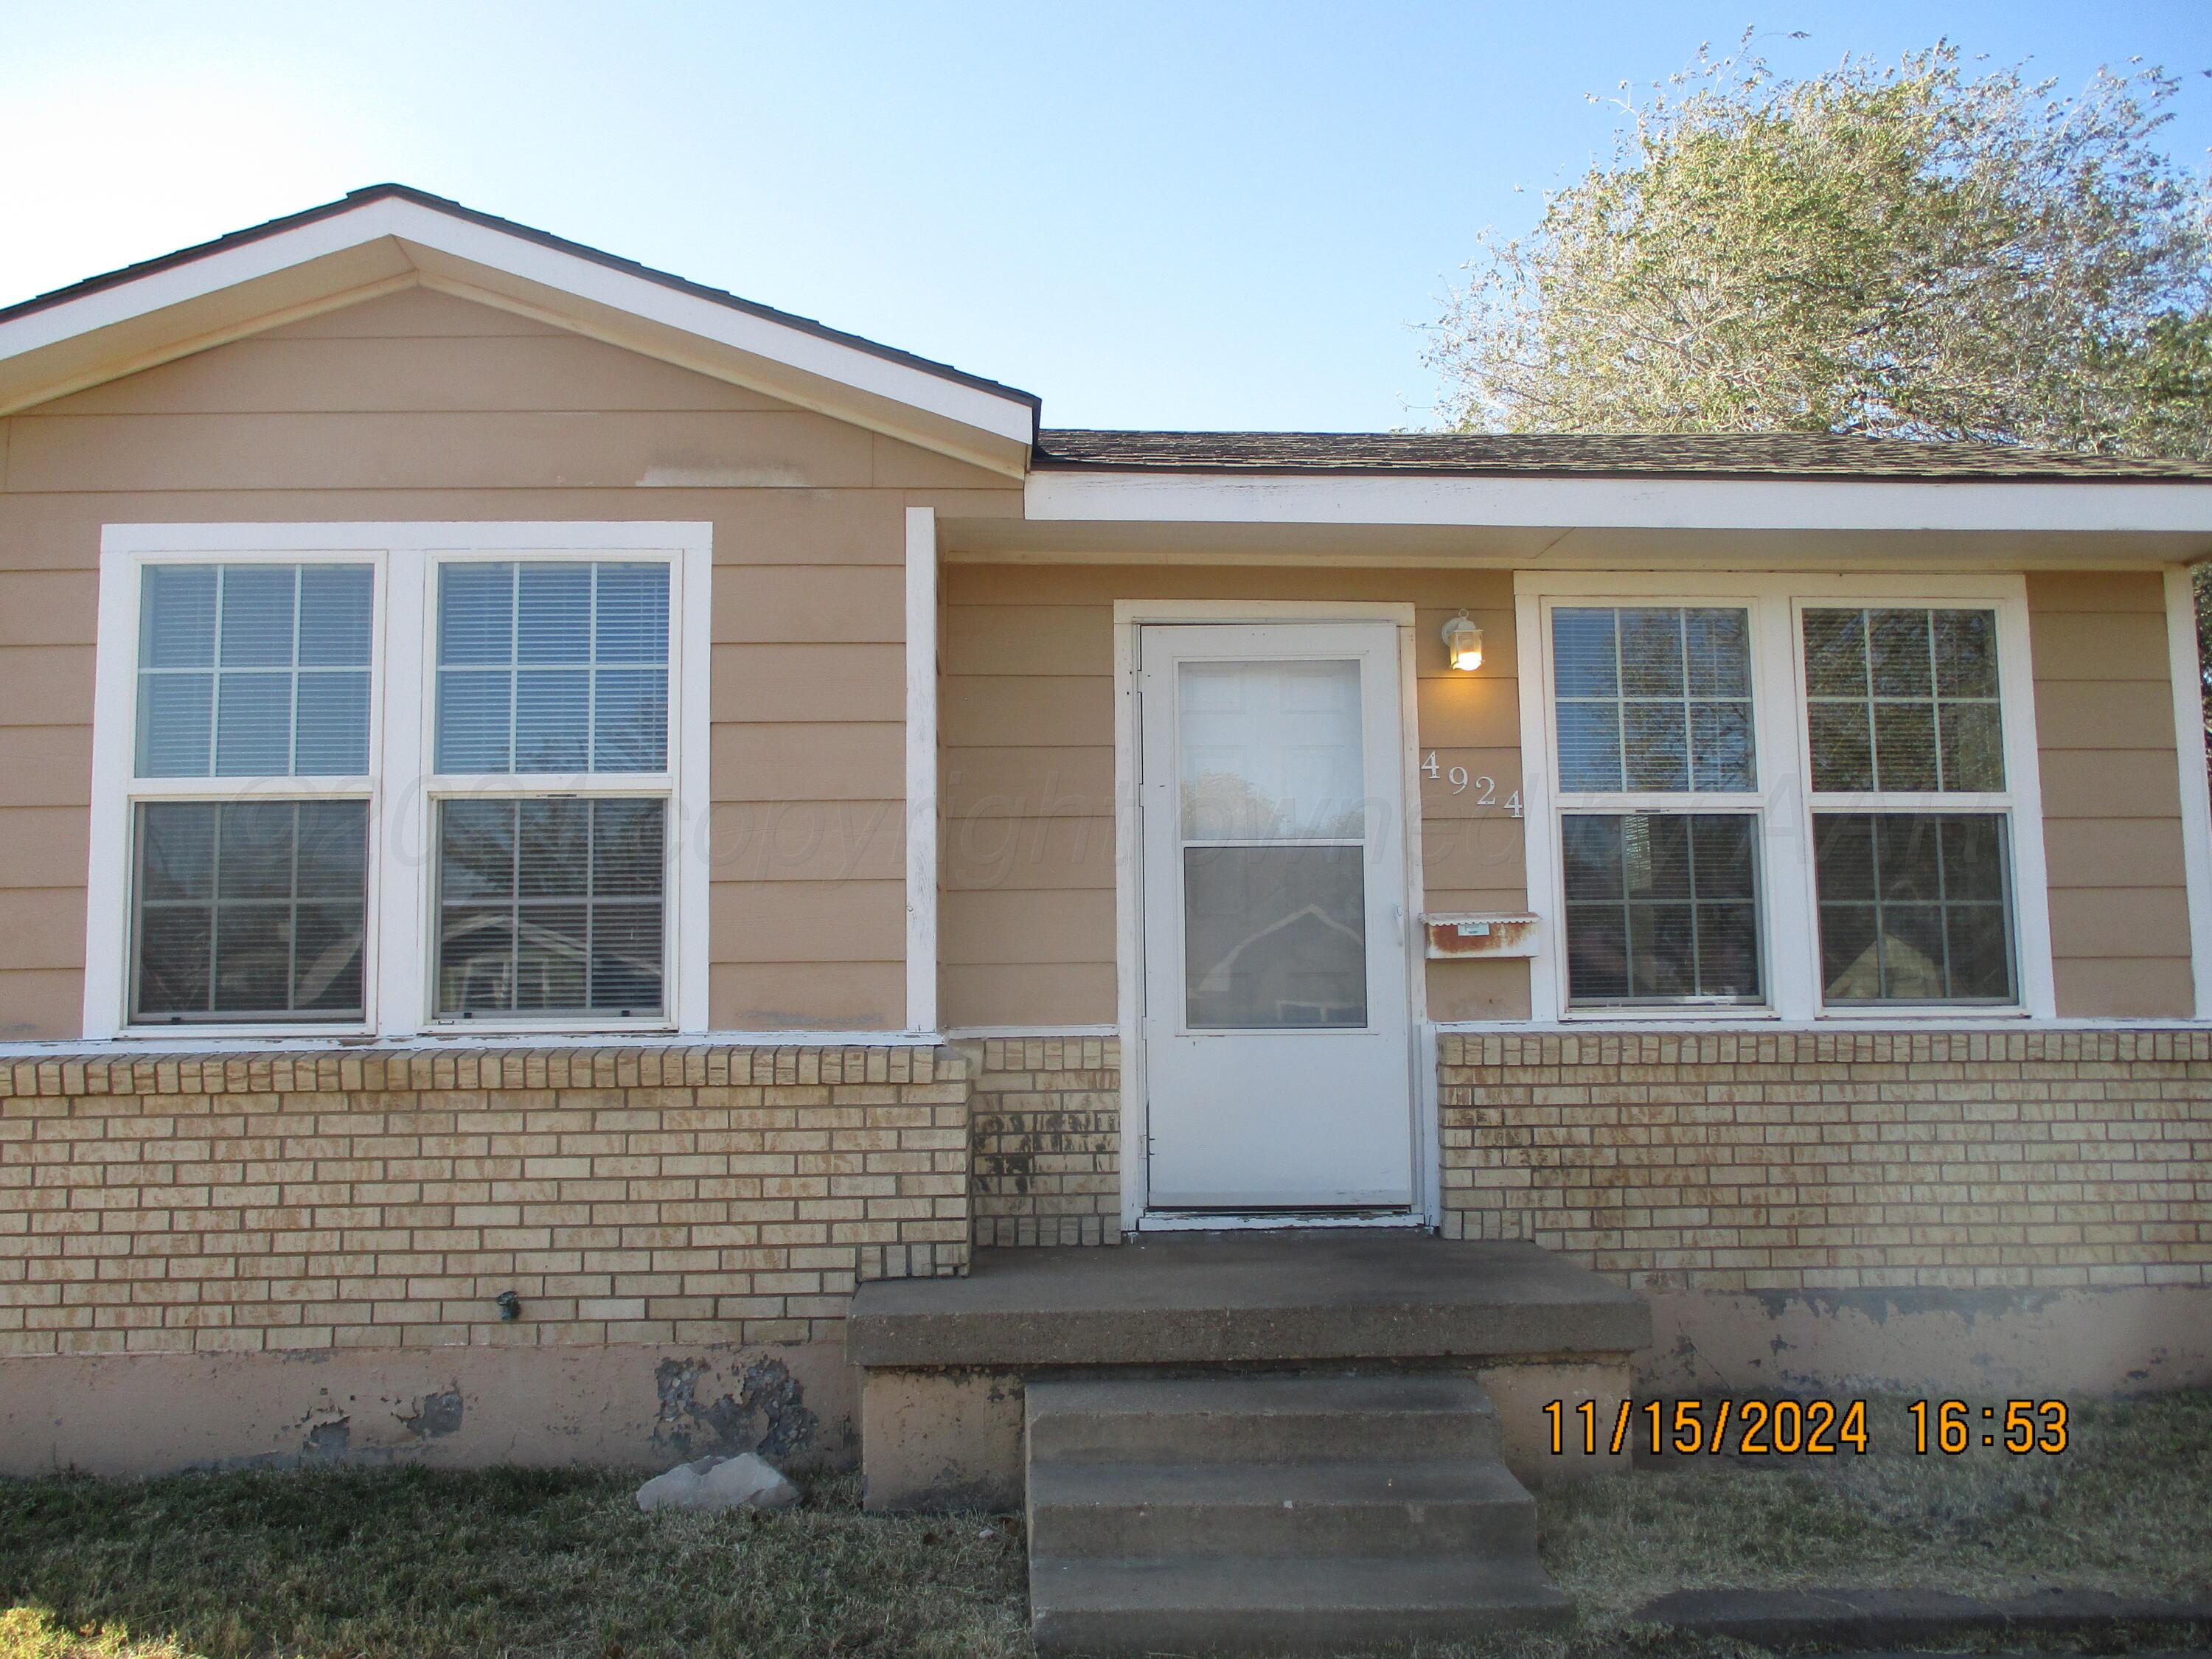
(1399, 911)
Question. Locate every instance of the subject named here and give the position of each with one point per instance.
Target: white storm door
(1278, 1069)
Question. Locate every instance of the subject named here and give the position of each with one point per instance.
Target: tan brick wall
(1779, 1161)
(383, 1199)
(1046, 1140)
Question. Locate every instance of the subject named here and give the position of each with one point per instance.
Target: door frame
(1130, 615)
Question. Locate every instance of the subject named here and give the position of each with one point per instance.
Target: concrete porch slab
(1247, 1298)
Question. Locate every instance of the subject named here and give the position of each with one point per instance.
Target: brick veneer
(1047, 1136)
(1784, 1161)
(385, 1198)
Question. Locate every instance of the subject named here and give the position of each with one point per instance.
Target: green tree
(1909, 250)
(1921, 249)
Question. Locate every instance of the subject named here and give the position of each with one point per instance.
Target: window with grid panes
(1903, 719)
(249, 802)
(550, 748)
(1660, 820)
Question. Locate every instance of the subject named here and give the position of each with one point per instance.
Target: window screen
(248, 909)
(1903, 701)
(549, 906)
(1661, 907)
(1914, 907)
(253, 671)
(552, 667)
(1653, 699)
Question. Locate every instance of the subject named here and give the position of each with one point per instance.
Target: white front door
(1277, 1066)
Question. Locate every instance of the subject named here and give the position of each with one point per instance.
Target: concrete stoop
(1273, 1514)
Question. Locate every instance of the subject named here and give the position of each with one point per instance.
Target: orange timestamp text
(1789, 1428)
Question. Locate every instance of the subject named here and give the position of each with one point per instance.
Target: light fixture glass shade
(1463, 644)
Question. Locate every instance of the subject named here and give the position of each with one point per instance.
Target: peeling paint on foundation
(622, 1406)
(765, 1413)
(436, 1415)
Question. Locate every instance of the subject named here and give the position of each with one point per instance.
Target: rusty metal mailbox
(1480, 933)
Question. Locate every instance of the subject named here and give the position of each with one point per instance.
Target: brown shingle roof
(1741, 455)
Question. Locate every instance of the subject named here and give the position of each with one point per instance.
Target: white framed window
(1659, 811)
(1803, 796)
(398, 779)
(1912, 819)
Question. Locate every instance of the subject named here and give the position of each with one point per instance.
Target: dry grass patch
(408, 1564)
(2128, 1507)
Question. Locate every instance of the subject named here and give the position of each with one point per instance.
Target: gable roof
(1590, 454)
(388, 237)
(391, 236)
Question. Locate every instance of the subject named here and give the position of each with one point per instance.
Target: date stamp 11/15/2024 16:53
(1790, 1428)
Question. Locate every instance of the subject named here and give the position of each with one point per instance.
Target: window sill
(1953, 1013)
(1734, 1013)
(1948, 1011)
(445, 1028)
(355, 1032)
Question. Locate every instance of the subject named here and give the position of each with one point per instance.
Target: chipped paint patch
(436, 1415)
(766, 1412)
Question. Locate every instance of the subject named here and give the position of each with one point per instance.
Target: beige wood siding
(1028, 725)
(2112, 801)
(1028, 932)
(421, 406)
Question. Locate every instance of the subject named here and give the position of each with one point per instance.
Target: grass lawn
(382, 1563)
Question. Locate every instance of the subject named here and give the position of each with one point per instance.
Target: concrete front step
(1229, 1419)
(1254, 1514)
(1292, 1510)
(1279, 1605)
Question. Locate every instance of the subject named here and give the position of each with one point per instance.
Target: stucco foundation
(952, 1439)
(1959, 1344)
(942, 1439)
(626, 1405)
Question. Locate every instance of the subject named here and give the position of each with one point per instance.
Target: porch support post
(921, 768)
(2187, 674)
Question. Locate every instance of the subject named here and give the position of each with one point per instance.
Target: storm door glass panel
(1653, 699)
(248, 909)
(550, 906)
(253, 671)
(1272, 818)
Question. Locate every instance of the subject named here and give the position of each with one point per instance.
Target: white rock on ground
(745, 1482)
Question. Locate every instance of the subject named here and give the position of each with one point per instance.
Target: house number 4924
(1485, 789)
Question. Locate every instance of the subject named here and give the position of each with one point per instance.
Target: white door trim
(1130, 615)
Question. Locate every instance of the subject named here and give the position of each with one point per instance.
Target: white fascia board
(1003, 417)
(195, 279)
(1594, 503)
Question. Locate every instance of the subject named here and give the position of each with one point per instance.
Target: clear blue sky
(1193, 214)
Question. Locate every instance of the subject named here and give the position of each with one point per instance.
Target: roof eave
(377, 240)
(1193, 496)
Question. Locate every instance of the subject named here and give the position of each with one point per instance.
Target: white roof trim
(993, 428)
(1100, 496)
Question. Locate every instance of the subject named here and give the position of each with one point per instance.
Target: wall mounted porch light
(1463, 644)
